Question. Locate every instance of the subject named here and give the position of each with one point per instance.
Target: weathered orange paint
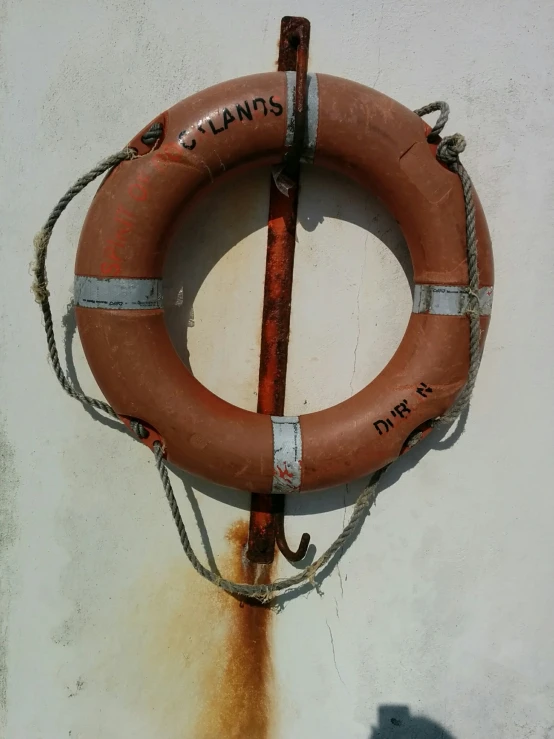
(361, 133)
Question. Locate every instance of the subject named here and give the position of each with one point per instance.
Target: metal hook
(267, 511)
(284, 548)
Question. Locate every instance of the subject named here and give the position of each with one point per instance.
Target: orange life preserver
(352, 129)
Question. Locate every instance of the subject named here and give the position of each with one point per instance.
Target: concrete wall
(438, 620)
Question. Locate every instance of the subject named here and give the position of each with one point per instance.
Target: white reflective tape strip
(287, 454)
(291, 90)
(118, 293)
(449, 300)
(312, 118)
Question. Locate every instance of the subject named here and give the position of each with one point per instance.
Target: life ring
(352, 129)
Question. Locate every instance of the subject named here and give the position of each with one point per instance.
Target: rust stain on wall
(239, 695)
(188, 660)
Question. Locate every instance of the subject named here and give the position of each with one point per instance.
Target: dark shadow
(327, 194)
(199, 520)
(193, 252)
(396, 722)
(189, 262)
(70, 328)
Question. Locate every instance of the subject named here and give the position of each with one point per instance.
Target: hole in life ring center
(351, 289)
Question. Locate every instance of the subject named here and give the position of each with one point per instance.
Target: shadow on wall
(396, 722)
(243, 211)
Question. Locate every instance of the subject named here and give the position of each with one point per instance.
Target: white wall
(442, 608)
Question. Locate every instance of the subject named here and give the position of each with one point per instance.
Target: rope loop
(153, 134)
(442, 120)
(450, 148)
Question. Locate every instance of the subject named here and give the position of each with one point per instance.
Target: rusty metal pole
(267, 511)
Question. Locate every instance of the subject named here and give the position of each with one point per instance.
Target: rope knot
(450, 148)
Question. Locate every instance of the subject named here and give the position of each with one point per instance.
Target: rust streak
(186, 660)
(239, 687)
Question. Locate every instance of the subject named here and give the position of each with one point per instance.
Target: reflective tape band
(118, 293)
(287, 454)
(449, 300)
(291, 90)
(312, 120)
(312, 117)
